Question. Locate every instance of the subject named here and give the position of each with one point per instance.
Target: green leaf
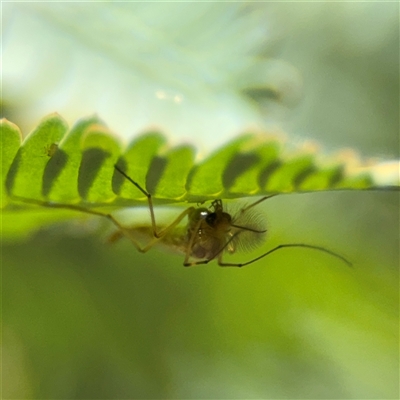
(62, 170)
(25, 176)
(10, 137)
(175, 167)
(136, 162)
(100, 153)
(76, 168)
(207, 178)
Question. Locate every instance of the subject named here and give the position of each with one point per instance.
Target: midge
(208, 234)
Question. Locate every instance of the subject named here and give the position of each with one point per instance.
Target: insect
(50, 149)
(208, 234)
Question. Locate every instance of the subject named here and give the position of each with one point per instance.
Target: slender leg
(82, 210)
(282, 246)
(218, 254)
(149, 200)
(186, 262)
(125, 231)
(169, 228)
(194, 263)
(257, 202)
(163, 232)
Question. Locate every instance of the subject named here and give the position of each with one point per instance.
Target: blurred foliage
(85, 320)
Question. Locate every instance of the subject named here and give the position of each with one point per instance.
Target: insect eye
(210, 219)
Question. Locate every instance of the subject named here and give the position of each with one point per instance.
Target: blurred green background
(88, 321)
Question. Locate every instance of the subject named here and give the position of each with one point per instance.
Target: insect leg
(163, 232)
(149, 200)
(72, 207)
(218, 254)
(282, 246)
(125, 231)
(170, 227)
(186, 262)
(257, 202)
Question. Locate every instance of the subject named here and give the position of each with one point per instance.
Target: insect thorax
(207, 232)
